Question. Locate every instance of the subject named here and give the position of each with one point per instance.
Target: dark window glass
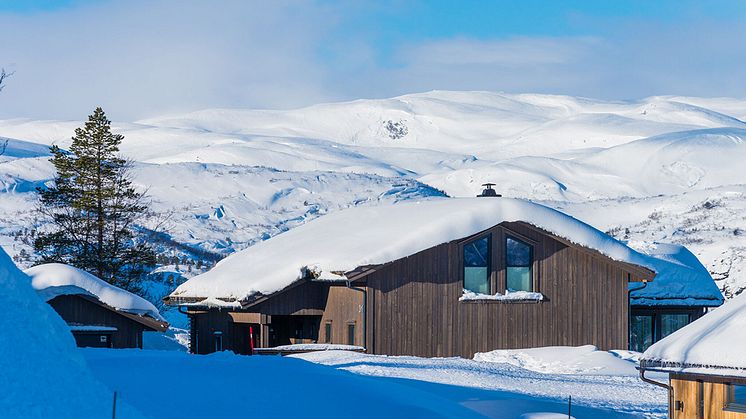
(641, 333)
(671, 323)
(477, 266)
(351, 334)
(518, 257)
(739, 394)
(328, 332)
(218, 341)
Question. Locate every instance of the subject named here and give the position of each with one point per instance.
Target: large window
(671, 323)
(640, 333)
(518, 256)
(477, 265)
(736, 398)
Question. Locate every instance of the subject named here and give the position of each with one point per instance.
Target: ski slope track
(664, 169)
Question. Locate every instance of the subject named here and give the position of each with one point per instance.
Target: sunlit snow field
(504, 384)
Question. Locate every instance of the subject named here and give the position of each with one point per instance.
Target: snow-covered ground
(335, 383)
(511, 383)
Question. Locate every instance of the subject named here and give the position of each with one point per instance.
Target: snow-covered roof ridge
(681, 278)
(712, 344)
(345, 240)
(54, 279)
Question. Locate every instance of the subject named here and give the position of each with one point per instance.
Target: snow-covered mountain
(661, 168)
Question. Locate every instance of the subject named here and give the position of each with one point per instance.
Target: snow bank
(53, 279)
(42, 375)
(347, 239)
(681, 278)
(562, 360)
(225, 385)
(318, 347)
(713, 343)
(508, 296)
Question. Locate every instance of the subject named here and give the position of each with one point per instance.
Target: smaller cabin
(99, 314)
(676, 298)
(706, 363)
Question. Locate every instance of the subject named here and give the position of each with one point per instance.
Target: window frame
(490, 260)
(351, 327)
(532, 258)
(328, 332)
(730, 405)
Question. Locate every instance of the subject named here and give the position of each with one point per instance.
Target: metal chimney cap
(488, 191)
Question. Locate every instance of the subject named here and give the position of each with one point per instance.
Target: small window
(518, 258)
(477, 266)
(328, 332)
(351, 334)
(218, 341)
(736, 398)
(672, 322)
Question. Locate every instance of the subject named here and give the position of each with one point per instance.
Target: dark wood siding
(343, 307)
(77, 309)
(414, 306)
(304, 298)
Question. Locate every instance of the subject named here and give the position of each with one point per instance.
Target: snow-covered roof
(347, 239)
(681, 278)
(713, 344)
(54, 279)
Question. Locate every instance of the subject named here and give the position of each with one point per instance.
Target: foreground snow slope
(592, 158)
(364, 386)
(42, 374)
(224, 385)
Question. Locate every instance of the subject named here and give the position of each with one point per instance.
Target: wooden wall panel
(344, 307)
(75, 309)
(414, 307)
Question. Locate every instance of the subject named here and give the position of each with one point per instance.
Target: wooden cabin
(675, 299)
(99, 314)
(445, 277)
(94, 323)
(706, 364)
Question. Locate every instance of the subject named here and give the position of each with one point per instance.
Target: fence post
(114, 407)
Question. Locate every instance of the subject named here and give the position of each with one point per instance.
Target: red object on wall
(251, 340)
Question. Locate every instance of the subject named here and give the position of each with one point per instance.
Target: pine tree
(93, 208)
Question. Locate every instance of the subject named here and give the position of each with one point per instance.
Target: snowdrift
(42, 374)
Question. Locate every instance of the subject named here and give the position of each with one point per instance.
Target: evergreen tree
(93, 208)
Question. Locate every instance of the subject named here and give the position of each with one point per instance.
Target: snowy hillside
(661, 168)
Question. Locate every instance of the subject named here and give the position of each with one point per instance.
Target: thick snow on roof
(361, 236)
(713, 343)
(681, 278)
(53, 279)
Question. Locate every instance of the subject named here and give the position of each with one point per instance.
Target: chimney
(488, 191)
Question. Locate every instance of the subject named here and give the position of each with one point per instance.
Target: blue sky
(141, 58)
